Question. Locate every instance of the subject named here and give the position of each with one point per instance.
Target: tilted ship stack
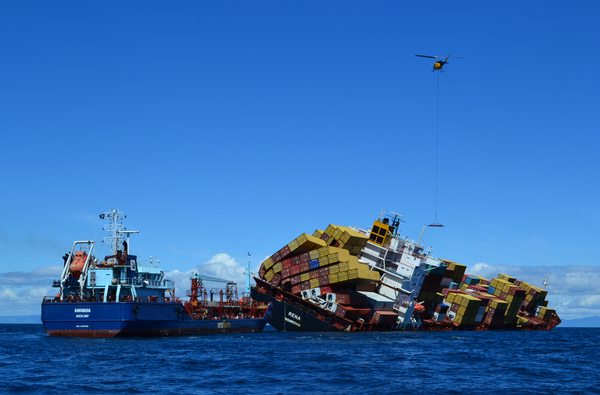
(350, 279)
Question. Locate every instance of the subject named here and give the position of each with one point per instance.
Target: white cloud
(40, 276)
(221, 266)
(8, 294)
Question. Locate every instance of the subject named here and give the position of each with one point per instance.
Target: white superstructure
(402, 264)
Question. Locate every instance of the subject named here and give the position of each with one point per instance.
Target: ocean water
(562, 361)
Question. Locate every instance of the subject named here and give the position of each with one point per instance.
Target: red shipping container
(325, 290)
(295, 280)
(447, 291)
(276, 280)
(324, 271)
(454, 307)
(285, 273)
(477, 288)
(296, 289)
(336, 244)
(323, 280)
(351, 313)
(384, 317)
(314, 273)
(305, 257)
(304, 267)
(518, 292)
(503, 295)
(325, 237)
(305, 285)
(286, 263)
(275, 257)
(285, 252)
(449, 273)
(262, 271)
(295, 269)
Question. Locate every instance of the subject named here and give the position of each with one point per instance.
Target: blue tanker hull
(137, 319)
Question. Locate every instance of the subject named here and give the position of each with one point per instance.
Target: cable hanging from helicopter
(438, 65)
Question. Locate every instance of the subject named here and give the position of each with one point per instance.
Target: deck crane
(198, 291)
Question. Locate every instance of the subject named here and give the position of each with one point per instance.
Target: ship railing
(138, 282)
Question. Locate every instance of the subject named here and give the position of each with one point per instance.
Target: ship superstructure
(118, 277)
(348, 278)
(121, 296)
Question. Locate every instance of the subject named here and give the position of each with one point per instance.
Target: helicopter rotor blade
(432, 57)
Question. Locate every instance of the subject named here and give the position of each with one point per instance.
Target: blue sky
(222, 128)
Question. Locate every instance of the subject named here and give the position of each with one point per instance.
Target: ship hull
(289, 317)
(131, 319)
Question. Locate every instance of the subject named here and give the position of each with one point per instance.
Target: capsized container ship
(351, 279)
(121, 296)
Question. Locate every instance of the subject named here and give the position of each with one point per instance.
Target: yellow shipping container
(507, 278)
(268, 263)
(339, 255)
(352, 274)
(269, 275)
(334, 269)
(464, 320)
(545, 313)
(315, 254)
(333, 278)
(317, 233)
(324, 260)
(293, 245)
(305, 276)
(344, 266)
(499, 304)
(337, 233)
(330, 230)
(308, 243)
(277, 267)
(323, 251)
(314, 282)
(343, 276)
(451, 297)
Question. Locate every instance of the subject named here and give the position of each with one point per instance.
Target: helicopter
(440, 63)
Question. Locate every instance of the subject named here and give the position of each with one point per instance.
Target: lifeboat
(78, 263)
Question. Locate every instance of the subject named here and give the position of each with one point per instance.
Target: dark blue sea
(562, 361)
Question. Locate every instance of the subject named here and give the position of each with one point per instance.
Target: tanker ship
(122, 296)
(353, 279)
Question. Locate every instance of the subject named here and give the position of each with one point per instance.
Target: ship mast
(546, 281)
(114, 224)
